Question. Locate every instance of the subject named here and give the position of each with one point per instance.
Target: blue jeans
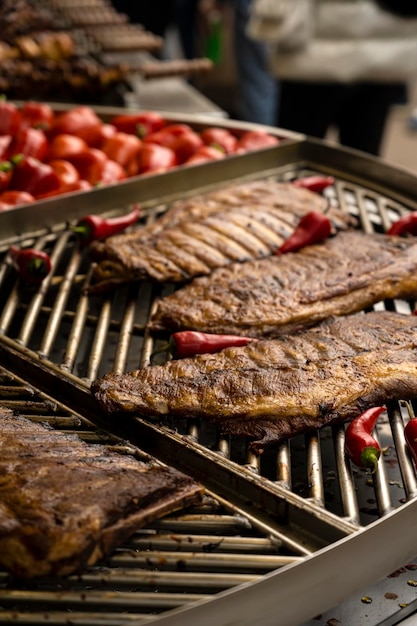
(258, 90)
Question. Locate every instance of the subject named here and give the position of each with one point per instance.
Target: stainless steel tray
(304, 501)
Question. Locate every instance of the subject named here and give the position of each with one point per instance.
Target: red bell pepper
(122, 148)
(168, 135)
(30, 142)
(140, 124)
(154, 158)
(112, 172)
(5, 141)
(37, 114)
(95, 136)
(204, 154)
(33, 176)
(214, 136)
(6, 169)
(64, 145)
(186, 145)
(90, 164)
(10, 119)
(78, 185)
(65, 170)
(13, 198)
(74, 121)
(255, 140)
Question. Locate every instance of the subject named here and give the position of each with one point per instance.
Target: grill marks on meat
(266, 297)
(64, 503)
(200, 234)
(272, 389)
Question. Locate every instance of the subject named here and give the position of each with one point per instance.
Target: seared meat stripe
(64, 503)
(267, 297)
(272, 389)
(197, 235)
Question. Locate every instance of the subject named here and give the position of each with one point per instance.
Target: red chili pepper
(189, 343)
(140, 124)
(204, 154)
(220, 137)
(30, 142)
(360, 445)
(122, 148)
(314, 183)
(37, 114)
(94, 227)
(32, 176)
(313, 227)
(406, 225)
(255, 140)
(9, 117)
(154, 158)
(410, 433)
(32, 265)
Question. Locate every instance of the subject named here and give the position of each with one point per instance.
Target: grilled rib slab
(64, 503)
(278, 294)
(272, 389)
(197, 235)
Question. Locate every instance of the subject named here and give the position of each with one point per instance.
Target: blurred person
(257, 97)
(258, 91)
(341, 63)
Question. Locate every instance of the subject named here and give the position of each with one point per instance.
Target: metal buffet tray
(279, 538)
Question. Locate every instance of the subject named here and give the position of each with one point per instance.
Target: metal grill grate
(260, 513)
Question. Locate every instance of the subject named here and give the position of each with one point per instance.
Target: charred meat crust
(197, 235)
(65, 504)
(270, 390)
(281, 294)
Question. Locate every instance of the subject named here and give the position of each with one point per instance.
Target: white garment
(335, 40)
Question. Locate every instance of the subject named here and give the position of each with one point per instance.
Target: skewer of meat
(270, 390)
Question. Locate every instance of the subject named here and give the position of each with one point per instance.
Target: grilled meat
(197, 235)
(266, 297)
(64, 503)
(272, 389)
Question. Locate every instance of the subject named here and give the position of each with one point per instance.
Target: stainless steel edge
(297, 592)
(356, 167)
